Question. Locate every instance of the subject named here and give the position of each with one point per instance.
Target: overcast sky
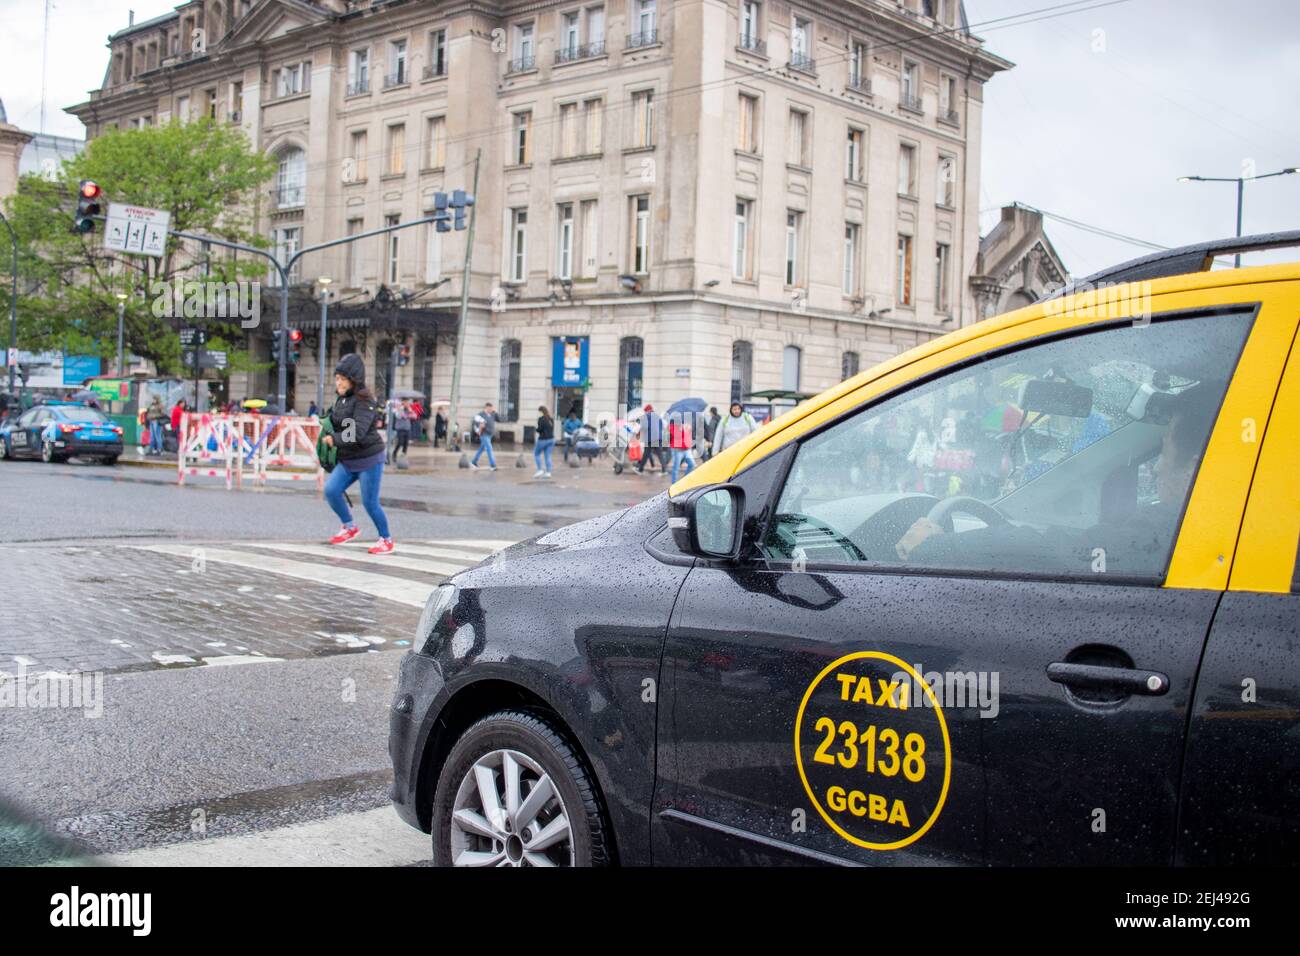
(1104, 109)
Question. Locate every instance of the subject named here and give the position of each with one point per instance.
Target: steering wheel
(941, 514)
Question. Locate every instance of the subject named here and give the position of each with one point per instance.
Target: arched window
(790, 368)
(742, 370)
(508, 404)
(631, 366)
(291, 179)
(849, 365)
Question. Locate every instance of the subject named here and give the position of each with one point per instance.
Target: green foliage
(205, 173)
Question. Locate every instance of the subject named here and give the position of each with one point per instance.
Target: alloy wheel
(508, 812)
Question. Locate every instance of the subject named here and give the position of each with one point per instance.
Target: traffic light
(276, 335)
(295, 344)
(460, 201)
(88, 199)
(443, 223)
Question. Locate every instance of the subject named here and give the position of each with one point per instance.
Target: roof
(43, 147)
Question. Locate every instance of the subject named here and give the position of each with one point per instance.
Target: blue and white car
(56, 431)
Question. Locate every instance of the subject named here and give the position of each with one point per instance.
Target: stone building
(1017, 264)
(676, 197)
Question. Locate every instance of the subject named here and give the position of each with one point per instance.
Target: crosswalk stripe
(492, 544)
(401, 590)
(465, 557)
(369, 838)
(441, 569)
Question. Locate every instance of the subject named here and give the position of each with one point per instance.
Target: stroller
(586, 444)
(626, 450)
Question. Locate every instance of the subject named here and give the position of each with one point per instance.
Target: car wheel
(618, 468)
(47, 451)
(4, 448)
(109, 460)
(514, 792)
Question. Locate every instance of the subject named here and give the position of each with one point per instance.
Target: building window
(801, 43)
(595, 31)
(392, 239)
(568, 129)
(854, 171)
(518, 245)
(522, 151)
(437, 65)
(743, 256)
(288, 240)
(910, 98)
(354, 227)
(948, 98)
(210, 103)
(747, 138)
(790, 361)
(904, 291)
(631, 364)
(643, 113)
(645, 24)
(849, 363)
(291, 178)
(945, 186)
(590, 251)
(396, 149)
(359, 139)
(183, 109)
(907, 170)
(525, 52)
(570, 35)
(852, 232)
(858, 66)
(437, 137)
(742, 370)
(359, 72)
(292, 79)
(798, 138)
(396, 63)
(508, 394)
(749, 24)
(793, 240)
(432, 253)
(640, 208)
(941, 303)
(593, 111)
(564, 265)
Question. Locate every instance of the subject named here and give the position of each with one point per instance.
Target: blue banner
(78, 368)
(569, 362)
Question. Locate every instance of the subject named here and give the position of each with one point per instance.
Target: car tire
(4, 448)
(47, 452)
(109, 460)
(618, 468)
(570, 812)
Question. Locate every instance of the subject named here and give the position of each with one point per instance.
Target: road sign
(136, 229)
(213, 359)
(193, 337)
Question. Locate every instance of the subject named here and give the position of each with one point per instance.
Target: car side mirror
(707, 522)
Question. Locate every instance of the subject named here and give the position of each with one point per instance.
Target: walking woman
(545, 442)
(356, 418)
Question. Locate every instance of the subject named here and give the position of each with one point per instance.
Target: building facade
(1017, 264)
(676, 197)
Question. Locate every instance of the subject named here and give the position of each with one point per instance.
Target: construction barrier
(263, 447)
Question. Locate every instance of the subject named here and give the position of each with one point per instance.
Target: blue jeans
(484, 445)
(155, 436)
(543, 449)
(341, 479)
(682, 455)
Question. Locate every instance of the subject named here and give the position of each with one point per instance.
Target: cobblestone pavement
(130, 606)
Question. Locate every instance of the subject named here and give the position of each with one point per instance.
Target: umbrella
(407, 393)
(691, 406)
(254, 403)
(85, 395)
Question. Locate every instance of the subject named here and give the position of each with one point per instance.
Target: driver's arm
(922, 529)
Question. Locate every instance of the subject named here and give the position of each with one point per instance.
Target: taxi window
(1074, 456)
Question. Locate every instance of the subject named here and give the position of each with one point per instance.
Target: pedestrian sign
(136, 229)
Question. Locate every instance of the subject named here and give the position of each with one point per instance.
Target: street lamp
(324, 313)
(1240, 181)
(121, 310)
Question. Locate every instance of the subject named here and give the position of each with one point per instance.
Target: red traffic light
(90, 189)
(295, 335)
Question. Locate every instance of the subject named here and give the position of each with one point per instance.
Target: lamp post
(1241, 182)
(322, 351)
(121, 311)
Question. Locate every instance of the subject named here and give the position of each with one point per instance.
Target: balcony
(522, 64)
(636, 41)
(435, 70)
(752, 44)
(910, 102)
(359, 86)
(396, 79)
(950, 117)
(803, 63)
(571, 54)
(860, 84)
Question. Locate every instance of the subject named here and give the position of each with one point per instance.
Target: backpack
(327, 455)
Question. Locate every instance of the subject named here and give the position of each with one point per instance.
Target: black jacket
(365, 418)
(545, 427)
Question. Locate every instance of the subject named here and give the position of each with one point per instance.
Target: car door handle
(1127, 680)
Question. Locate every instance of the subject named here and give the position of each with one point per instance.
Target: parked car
(56, 431)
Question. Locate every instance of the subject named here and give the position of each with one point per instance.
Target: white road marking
(370, 838)
(379, 560)
(406, 547)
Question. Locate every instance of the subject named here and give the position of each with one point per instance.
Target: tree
(204, 173)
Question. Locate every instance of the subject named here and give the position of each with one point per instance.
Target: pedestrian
(710, 431)
(440, 428)
(155, 415)
(652, 441)
(355, 419)
(312, 410)
(679, 440)
(402, 417)
(178, 410)
(485, 426)
(736, 425)
(544, 444)
(571, 425)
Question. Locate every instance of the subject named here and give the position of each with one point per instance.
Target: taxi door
(828, 701)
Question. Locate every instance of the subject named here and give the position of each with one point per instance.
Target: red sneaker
(345, 534)
(383, 546)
